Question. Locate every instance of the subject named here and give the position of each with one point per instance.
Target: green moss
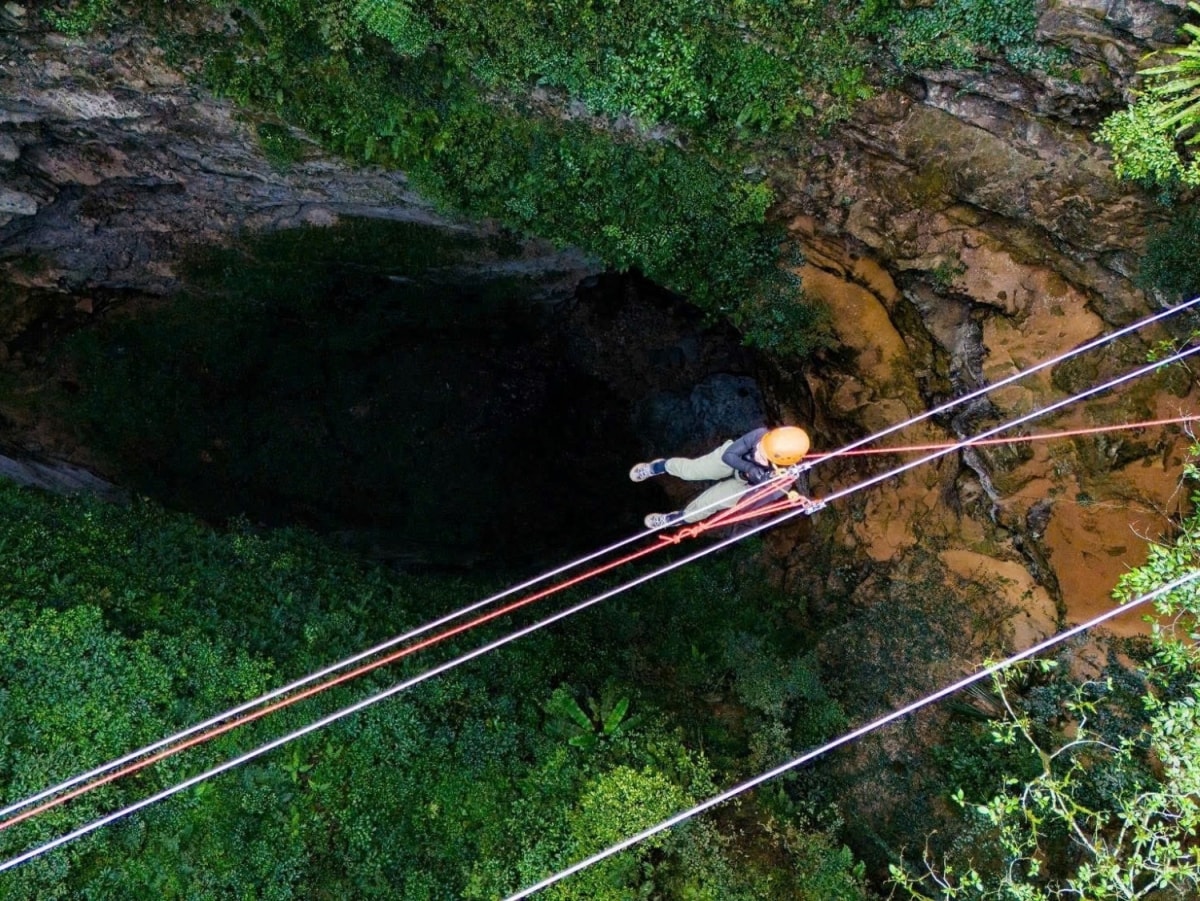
(945, 273)
(929, 187)
(1171, 264)
(279, 145)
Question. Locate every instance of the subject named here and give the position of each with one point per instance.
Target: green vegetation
(946, 273)
(450, 106)
(81, 16)
(1152, 140)
(279, 145)
(1171, 264)
(444, 90)
(121, 625)
(1101, 802)
(531, 758)
(955, 32)
(690, 221)
(738, 69)
(448, 99)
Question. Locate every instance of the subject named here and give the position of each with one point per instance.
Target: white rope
(566, 567)
(312, 677)
(1008, 380)
(534, 627)
(369, 701)
(1097, 342)
(982, 436)
(848, 737)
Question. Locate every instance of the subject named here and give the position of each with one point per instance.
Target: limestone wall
(964, 227)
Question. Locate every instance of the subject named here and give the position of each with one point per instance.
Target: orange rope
(1046, 436)
(317, 688)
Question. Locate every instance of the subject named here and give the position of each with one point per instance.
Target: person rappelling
(757, 457)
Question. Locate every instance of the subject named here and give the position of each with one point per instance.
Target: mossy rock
(1087, 370)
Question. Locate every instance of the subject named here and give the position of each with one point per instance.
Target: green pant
(709, 468)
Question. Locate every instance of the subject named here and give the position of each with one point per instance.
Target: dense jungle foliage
(1154, 140)
(121, 625)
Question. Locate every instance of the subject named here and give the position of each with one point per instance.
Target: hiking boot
(663, 520)
(643, 471)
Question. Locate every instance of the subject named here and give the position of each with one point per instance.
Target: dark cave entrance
(419, 395)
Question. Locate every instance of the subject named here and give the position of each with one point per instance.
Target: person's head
(784, 446)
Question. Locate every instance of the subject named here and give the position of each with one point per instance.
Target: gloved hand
(806, 504)
(758, 475)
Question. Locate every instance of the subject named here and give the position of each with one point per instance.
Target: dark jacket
(739, 456)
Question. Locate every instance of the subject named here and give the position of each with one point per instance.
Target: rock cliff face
(112, 166)
(964, 227)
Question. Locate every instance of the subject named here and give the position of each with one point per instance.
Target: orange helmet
(785, 446)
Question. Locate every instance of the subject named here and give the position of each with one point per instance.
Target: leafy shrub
(279, 145)
(1145, 137)
(405, 28)
(1144, 151)
(1104, 805)
(753, 66)
(1176, 86)
(81, 17)
(954, 32)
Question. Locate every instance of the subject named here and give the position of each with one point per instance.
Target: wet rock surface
(965, 227)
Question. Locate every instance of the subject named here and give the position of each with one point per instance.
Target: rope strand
(1016, 376)
(1045, 436)
(319, 674)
